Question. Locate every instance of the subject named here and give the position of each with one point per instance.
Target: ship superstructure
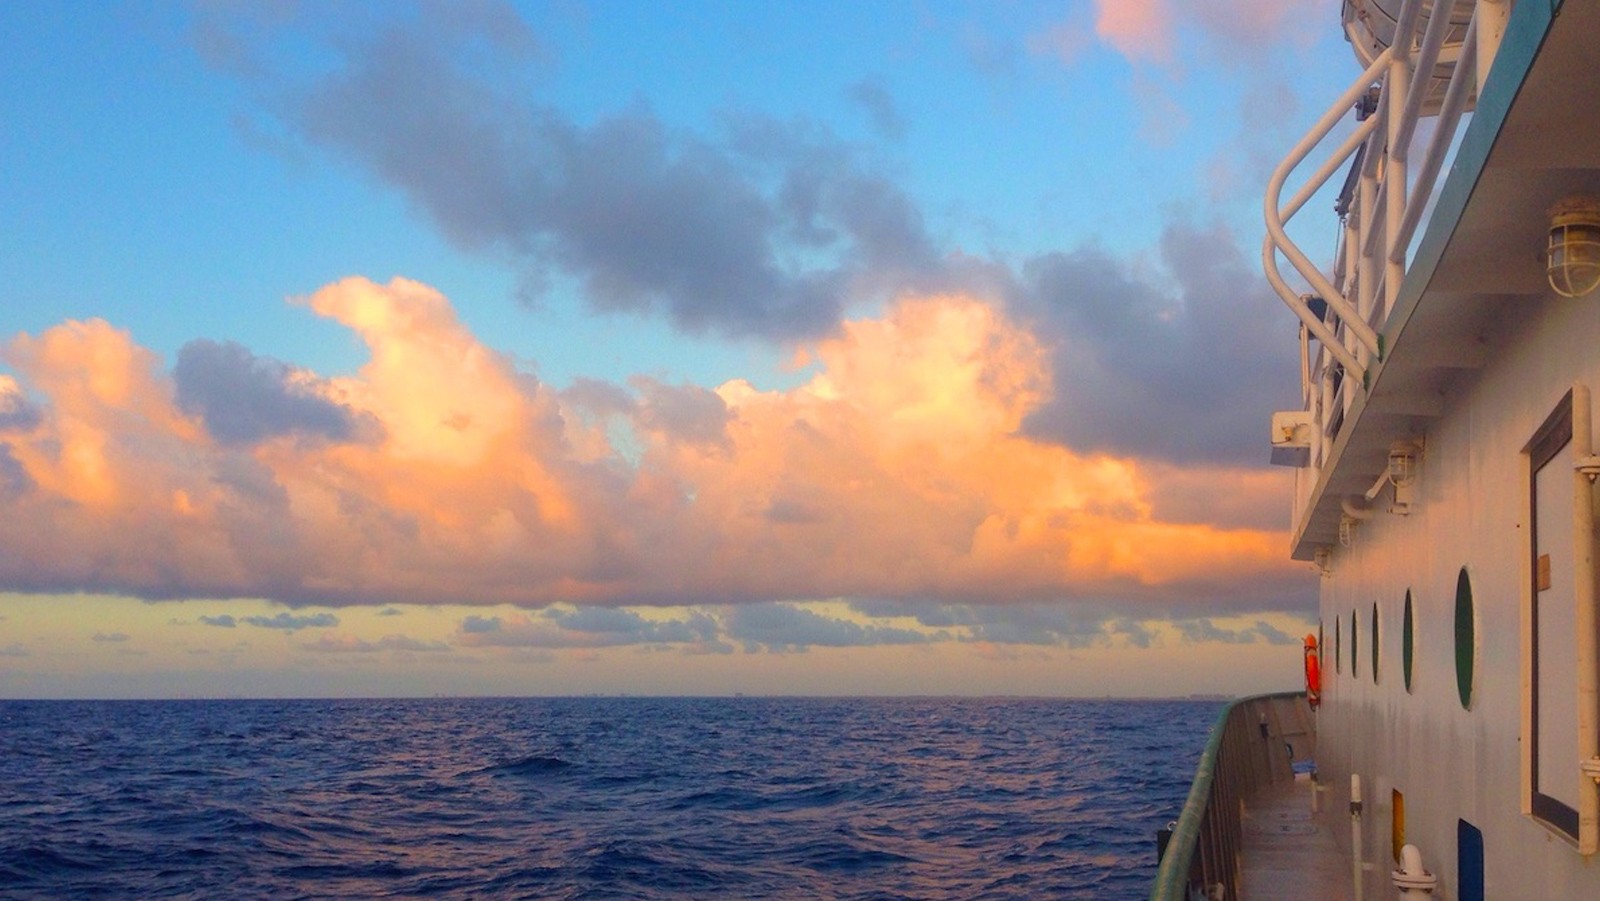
(1443, 454)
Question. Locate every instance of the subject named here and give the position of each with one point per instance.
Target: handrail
(1239, 758)
(1431, 65)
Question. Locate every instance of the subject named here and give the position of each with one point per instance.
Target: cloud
(1204, 630)
(292, 623)
(347, 644)
(244, 399)
(1238, 31)
(285, 621)
(110, 636)
(17, 414)
(944, 450)
(589, 627)
(1138, 29)
(756, 229)
(875, 100)
(784, 627)
(14, 650)
(1181, 363)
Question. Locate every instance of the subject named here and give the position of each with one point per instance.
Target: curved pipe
(1279, 240)
(1352, 510)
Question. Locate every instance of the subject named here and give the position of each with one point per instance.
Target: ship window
(1374, 644)
(1338, 648)
(1551, 617)
(1355, 648)
(1466, 638)
(1408, 641)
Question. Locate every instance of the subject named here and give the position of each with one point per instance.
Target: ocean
(636, 798)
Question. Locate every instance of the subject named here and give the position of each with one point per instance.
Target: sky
(612, 347)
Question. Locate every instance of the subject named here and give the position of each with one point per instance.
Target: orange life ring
(1313, 672)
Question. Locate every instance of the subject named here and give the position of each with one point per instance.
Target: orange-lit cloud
(440, 473)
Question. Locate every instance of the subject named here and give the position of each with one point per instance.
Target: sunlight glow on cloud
(440, 473)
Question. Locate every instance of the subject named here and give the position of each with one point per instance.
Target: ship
(1446, 741)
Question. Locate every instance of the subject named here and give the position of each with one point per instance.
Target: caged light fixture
(1574, 256)
(1347, 530)
(1402, 463)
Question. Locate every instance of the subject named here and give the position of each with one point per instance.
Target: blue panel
(1469, 862)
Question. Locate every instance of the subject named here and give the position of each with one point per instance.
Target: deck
(1288, 851)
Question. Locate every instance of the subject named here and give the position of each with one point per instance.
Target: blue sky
(654, 237)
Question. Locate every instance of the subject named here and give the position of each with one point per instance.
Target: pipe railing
(1248, 749)
(1381, 211)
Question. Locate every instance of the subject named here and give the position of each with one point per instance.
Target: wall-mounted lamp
(1574, 258)
(1403, 463)
(1323, 559)
(1347, 530)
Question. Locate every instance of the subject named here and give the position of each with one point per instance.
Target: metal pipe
(1279, 240)
(1584, 600)
(1427, 58)
(1394, 170)
(1355, 834)
(1495, 14)
(1314, 183)
(1455, 101)
(1317, 327)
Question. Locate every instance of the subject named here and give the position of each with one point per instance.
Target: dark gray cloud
(292, 623)
(110, 636)
(14, 479)
(1273, 635)
(591, 627)
(687, 413)
(646, 218)
(244, 398)
(784, 627)
(16, 413)
(14, 650)
(1204, 630)
(879, 106)
(330, 645)
(628, 627)
(1184, 364)
(223, 620)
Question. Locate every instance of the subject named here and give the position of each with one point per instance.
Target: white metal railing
(1451, 42)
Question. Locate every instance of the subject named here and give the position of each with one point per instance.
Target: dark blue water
(590, 797)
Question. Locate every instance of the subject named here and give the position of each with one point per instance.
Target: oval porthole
(1374, 644)
(1338, 647)
(1408, 641)
(1466, 639)
(1355, 648)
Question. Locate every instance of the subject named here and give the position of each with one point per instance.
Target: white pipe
(1584, 600)
(1495, 14)
(1355, 833)
(1315, 182)
(1278, 239)
(1269, 264)
(1348, 505)
(1394, 172)
(1412, 878)
(1455, 100)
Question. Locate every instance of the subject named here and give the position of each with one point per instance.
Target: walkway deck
(1289, 852)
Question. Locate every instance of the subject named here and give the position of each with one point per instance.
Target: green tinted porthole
(1374, 644)
(1466, 639)
(1338, 645)
(1408, 639)
(1355, 648)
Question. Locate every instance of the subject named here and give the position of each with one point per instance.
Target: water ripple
(590, 798)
